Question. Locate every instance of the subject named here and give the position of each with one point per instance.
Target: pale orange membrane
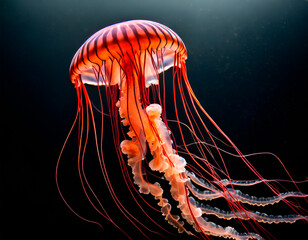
(150, 128)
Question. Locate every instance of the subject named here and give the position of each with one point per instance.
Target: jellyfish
(129, 61)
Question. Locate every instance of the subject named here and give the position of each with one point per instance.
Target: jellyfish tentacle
(262, 201)
(213, 229)
(134, 161)
(172, 165)
(164, 160)
(235, 195)
(144, 130)
(226, 182)
(203, 195)
(190, 211)
(246, 214)
(131, 149)
(200, 182)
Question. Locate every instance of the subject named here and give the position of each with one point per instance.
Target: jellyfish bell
(149, 45)
(128, 57)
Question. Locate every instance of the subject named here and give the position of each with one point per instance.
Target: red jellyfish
(129, 60)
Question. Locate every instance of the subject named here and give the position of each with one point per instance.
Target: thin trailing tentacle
(246, 214)
(213, 229)
(226, 182)
(210, 228)
(261, 201)
(201, 182)
(203, 195)
(235, 195)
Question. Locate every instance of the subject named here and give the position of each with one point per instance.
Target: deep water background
(247, 62)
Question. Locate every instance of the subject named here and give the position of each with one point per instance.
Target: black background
(247, 62)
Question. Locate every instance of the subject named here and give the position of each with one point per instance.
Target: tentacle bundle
(235, 194)
(149, 129)
(135, 149)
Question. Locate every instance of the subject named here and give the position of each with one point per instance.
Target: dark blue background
(247, 62)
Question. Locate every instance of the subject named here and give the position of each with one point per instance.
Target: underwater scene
(154, 119)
